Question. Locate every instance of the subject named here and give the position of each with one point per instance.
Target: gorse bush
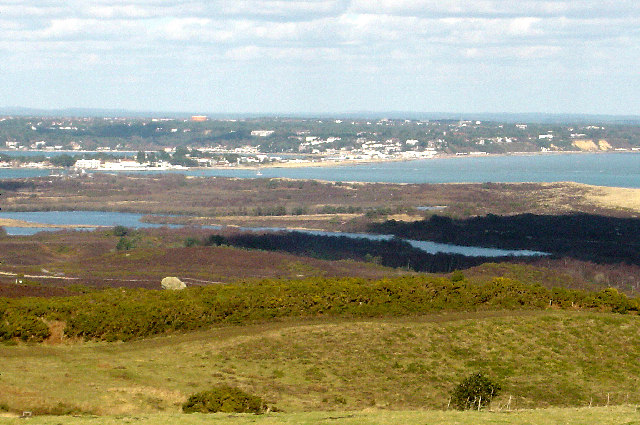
(224, 399)
(457, 276)
(125, 314)
(474, 392)
(26, 328)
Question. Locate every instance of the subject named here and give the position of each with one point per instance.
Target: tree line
(586, 237)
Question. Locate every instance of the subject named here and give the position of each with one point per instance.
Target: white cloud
(399, 37)
(496, 8)
(111, 11)
(185, 28)
(524, 26)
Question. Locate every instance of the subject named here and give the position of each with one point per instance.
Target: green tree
(141, 157)
(125, 244)
(63, 161)
(120, 230)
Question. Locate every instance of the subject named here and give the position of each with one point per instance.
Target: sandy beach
(319, 163)
(10, 222)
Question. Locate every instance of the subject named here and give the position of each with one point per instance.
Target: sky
(279, 56)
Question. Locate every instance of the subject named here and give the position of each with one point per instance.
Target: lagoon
(89, 220)
(85, 220)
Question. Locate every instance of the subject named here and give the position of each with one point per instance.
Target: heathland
(300, 203)
(325, 330)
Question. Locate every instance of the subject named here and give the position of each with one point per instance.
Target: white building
(124, 164)
(87, 164)
(262, 133)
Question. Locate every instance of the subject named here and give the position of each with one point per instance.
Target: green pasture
(542, 359)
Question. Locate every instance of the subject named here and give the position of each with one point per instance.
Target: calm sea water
(605, 169)
(616, 169)
(19, 173)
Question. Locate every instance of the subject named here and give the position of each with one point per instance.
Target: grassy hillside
(566, 416)
(541, 358)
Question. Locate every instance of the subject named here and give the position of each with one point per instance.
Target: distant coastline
(324, 163)
(611, 169)
(318, 161)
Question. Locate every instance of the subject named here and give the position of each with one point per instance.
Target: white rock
(172, 283)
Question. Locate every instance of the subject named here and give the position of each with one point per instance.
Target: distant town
(170, 143)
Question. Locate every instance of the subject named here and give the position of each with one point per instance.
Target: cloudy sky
(278, 56)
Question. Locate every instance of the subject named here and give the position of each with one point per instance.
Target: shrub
(27, 328)
(191, 241)
(457, 276)
(125, 244)
(121, 231)
(224, 399)
(216, 240)
(476, 391)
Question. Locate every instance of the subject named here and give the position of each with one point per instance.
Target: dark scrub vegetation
(582, 236)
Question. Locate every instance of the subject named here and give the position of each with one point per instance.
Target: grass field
(542, 359)
(618, 415)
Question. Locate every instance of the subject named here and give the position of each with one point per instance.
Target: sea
(620, 169)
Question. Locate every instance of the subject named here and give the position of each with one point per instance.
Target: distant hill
(89, 112)
(528, 117)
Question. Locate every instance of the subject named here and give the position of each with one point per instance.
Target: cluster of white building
(123, 165)
(368, 149)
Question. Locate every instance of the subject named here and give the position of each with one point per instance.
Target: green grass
(542, 359)
(618, 415)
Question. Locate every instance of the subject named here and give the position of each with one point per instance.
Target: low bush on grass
(474, 392)
(224, 399)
